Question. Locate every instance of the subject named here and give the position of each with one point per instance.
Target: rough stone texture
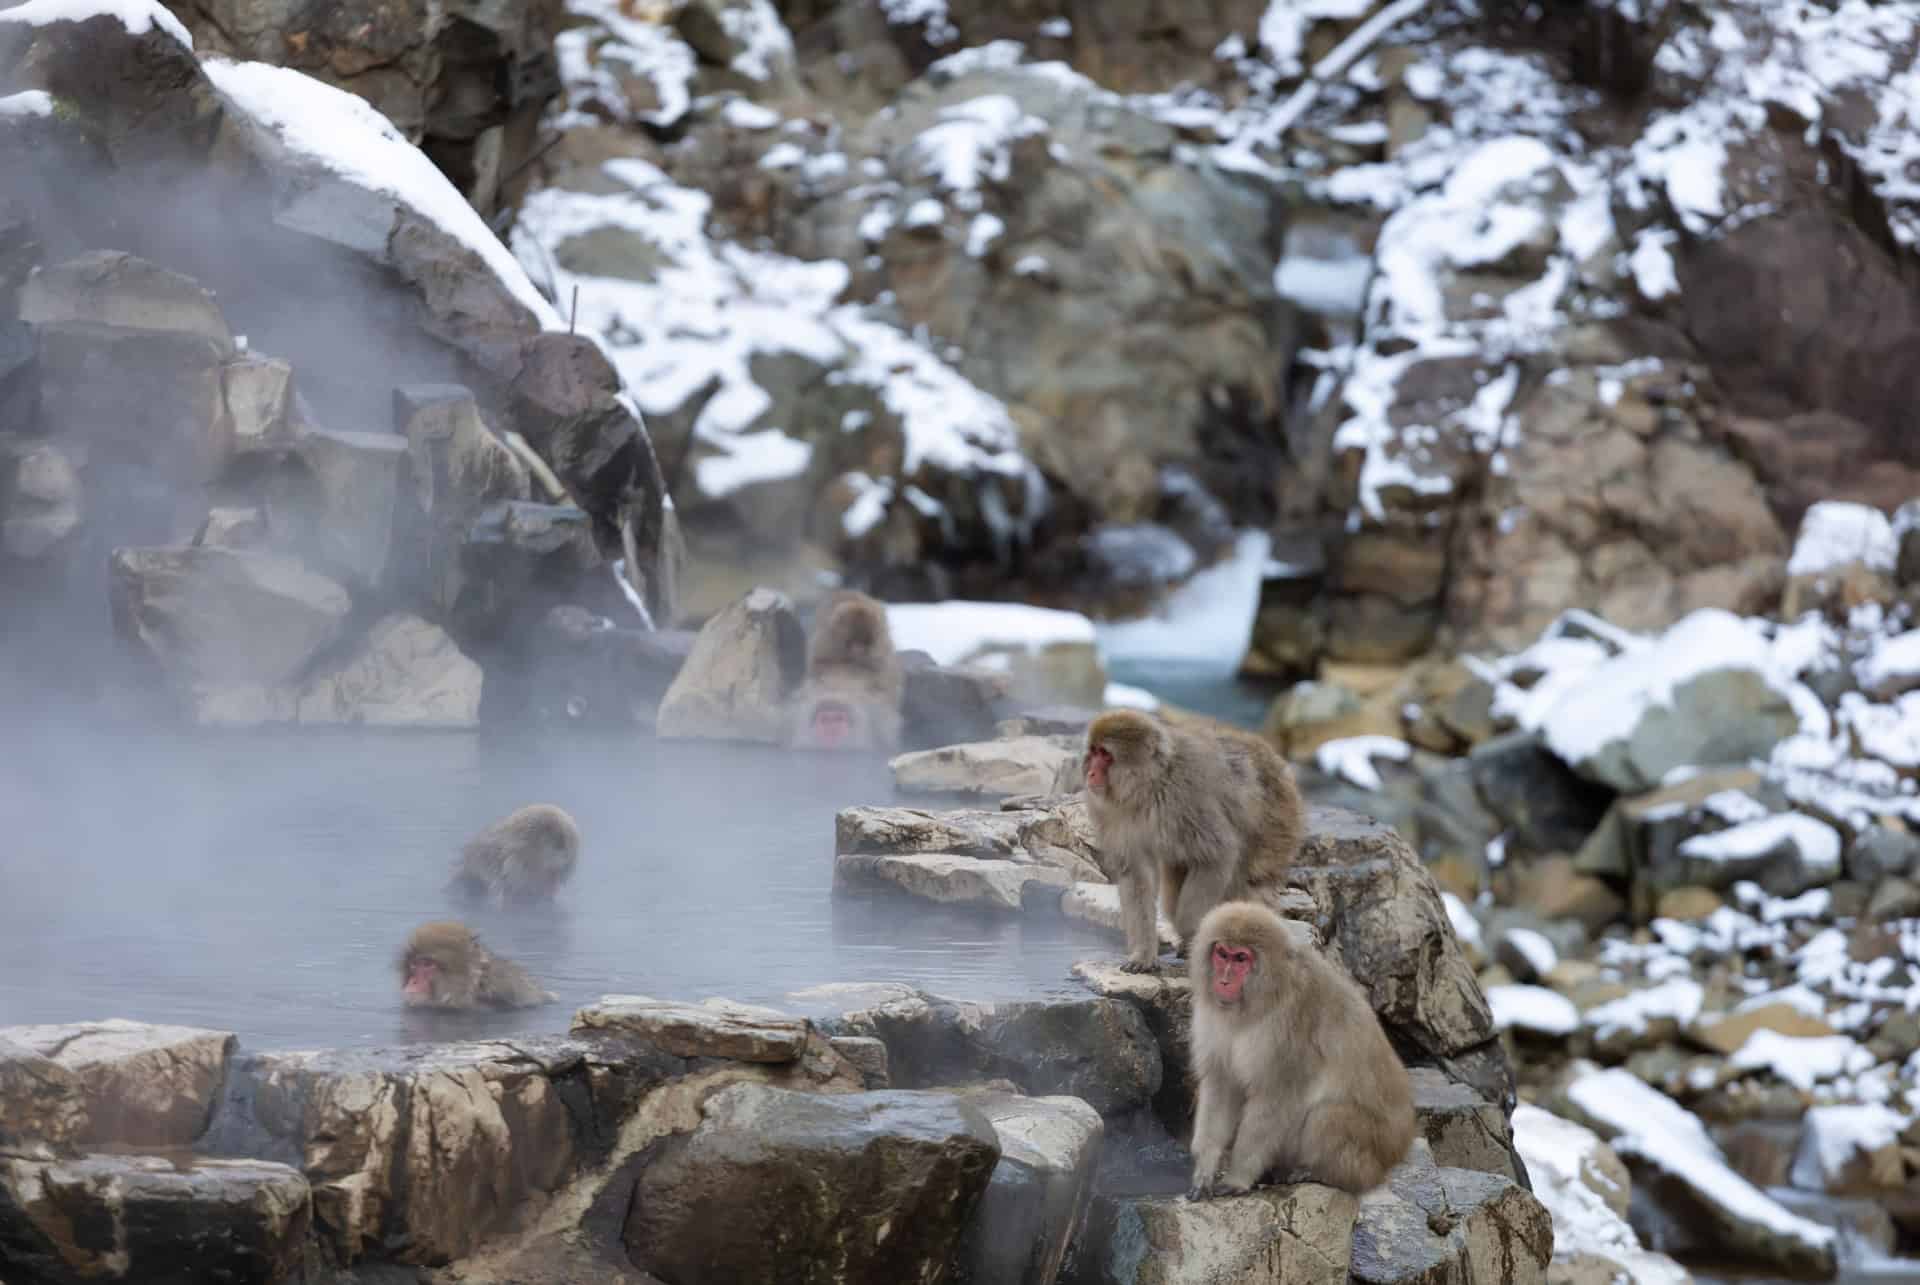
(1022, 765)
(1379, 909)
(111, 288)
(151, 1219)
(1463, 1130)
(1297, 1235)
(1040, 1191)
(949, 879)
(1644, 831)
(1431, 1223)
(716, 1028)
(259, 397)
(1548, 807)
(406, 672)
(40, 1100)
(220, 616)
(42, 503)
(782, 1186)
(743, 667)
(1878, 853)
(339, 505)
(139, 1085)
(901, 831)
(1098, 1050)
(1716, 716)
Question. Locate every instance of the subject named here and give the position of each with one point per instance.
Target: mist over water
(263, 882)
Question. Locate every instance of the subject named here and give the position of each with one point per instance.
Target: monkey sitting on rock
(850, 698)
(1208, 815)
(1294, 1073)
(521, 859)
(445, 966)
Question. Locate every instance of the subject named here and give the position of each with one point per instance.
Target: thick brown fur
(1210, 815)
(853, 674)
(462, 973)
(522, 858)
(1296, 1076)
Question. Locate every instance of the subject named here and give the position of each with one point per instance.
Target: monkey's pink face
(419, 986)
(1231, 964)
(832, 725)
(1098, 762)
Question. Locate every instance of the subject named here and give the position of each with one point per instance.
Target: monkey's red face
(421, 975)
(1231, 964)
(832, 724)
(1098, 761)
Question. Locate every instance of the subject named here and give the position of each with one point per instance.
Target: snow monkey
(851, 697)
(1209, 815)
(520, 858)
(1294, 1073)
(445, 966)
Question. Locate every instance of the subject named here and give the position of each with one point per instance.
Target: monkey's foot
(1201, 1191)
(1138, 966)
(1231, 1187)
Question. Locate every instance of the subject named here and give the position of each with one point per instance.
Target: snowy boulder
(1709, 1207)
(1023, 765)
(1850, 1150)
(1702, 694)
(1301, 1233)
(744, 665)
(1533, 1010)
(1585, 1187)
(1844, 556)
(1892, 667)
(1785, 854)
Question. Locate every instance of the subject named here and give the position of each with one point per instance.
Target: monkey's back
(1367, 1072)
(1277, 823)
(505, 984)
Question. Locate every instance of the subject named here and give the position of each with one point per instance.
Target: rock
(258, 392)
(947, 705)
(1878, 851)
(744, 36)
(1062, 835)
(1381, 907)
(117, 290)
(913, 830)
(233, 528)
(1700, 695)
(1554, 889)
(1785, 854)
(858, 1186)
(1687, 904)
(1710, 1208)
(216, 616)
(141, 1085)
(1850, 1150)
(1098, 1050)
(866, 1055)
(1099, 904)
(1548, 807)
(404, 673)
(152, 1218)
(1646, 830)
(949, 879)
(1649, 1016)
(339, 504)
(1311, 714)
(1725, 1034)
(1894, 899)
(40, 1100)
(1164, 999)
(744, 665)
(1024, 765)
(42, 504)
(715, 1028)
(1843, 556)
(1585, 1187)
(1434, 1223)
(1463, 1130)
(1270, 1236)
(1040, 1190)
(585, 669)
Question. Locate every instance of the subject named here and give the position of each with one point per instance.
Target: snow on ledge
(1836, 533)
(1817, 842)
(1351, 758)
(1532, 1008)
(1831, 1136)
(1801, 1060)
(348, 137)
(137, 16)
(953, 631)
(1560, 1158)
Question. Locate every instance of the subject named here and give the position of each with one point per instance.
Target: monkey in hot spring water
(521, 859)
(850, 698)
(443, 965)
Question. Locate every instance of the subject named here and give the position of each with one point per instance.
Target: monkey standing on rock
(445, 966)
(1210, 816)
(521, 858)
(850, 699)
(1293, 1070)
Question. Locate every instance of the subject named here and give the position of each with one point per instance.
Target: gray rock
(945, 705)
(1719, 716)
(1040, 1190)
(1098, 1050)
(950, 879)
(716, 1028)
(406, 672)
(1297, 1235)
(1644, 831)
(1785, 853)
(743, 668)
(1878, 852)
(908, 830)
(1463, 1130)
(777, 1185)
(43, 503)
(1023, 765)
(339, 503)
(233, 528)
(1548, 807)
(585, 669)
(152, 1219)
(138, 1084)
(113, 289)
(259, 397)
(1429, 1223)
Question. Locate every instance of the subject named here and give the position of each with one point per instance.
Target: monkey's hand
(1202, 1190)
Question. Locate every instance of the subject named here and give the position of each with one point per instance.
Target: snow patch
(1832, 1136)
(1801, 1060)
(1836, 534)
(1532, 1008)
(1206, 624)
(1350, 758)
(1817, 842)
(137, 16)
(953, 632)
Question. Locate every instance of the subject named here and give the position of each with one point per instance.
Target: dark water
(261, 883)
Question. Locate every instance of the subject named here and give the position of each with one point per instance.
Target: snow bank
(344, 135)
(1832, 1137)
(1532, 1008)
(1351, 758)
(1801, 1060)
(1205, 624)
(1836, 534)
(1817, 842)
(952, 632)
(1560, 1160)
(1893, 662)
(137, 16)
(1677, 999)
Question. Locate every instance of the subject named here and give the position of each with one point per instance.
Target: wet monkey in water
(444, 966)
(1292, 1070)
(520, 859)
(1207, 815)
(850, 698)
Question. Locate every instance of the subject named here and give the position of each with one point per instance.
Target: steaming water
(261, 883)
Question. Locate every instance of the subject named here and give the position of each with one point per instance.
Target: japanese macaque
(522, 858)
(445, 966)
(850, 699)
(1293, 1071)
(1208, 815)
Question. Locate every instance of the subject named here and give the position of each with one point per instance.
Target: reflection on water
(262, 883)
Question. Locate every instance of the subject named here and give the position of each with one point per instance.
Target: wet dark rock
(586, 669)
(776, 1185)
(1040, 1190)
(1525, 785)
(945, 705)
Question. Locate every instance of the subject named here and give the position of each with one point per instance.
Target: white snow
(1561, 1162)
(924, 213)
(1893, 662)
(973, 142)
(783, 156)
(137, 16)
(1817, 842)
(1205, 624)
(1653, 271)
(1890, 733)
(983, 232)
(1126, 696)
(1836, 533)
(1284, 26)
(1351, 758)
(1534, 948)
(929, 15)
(28, 102)
(1054, 29)
(1832, 1136)
(744, 114)
(1532, 1008)
(342, 134)
(1677, 999)
(647, 52)
(1801, 1060)
(953, 632)
(755, 26)
(1465, 926)
(747, 458)
(1650, 1125)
